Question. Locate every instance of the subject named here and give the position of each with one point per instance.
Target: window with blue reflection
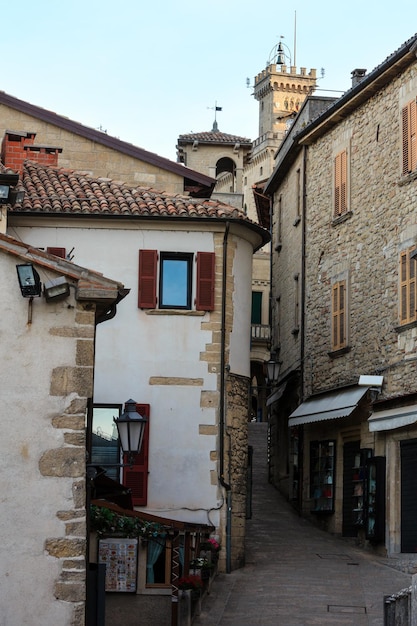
(175, 281)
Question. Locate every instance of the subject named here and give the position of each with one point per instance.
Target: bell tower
(280, 91)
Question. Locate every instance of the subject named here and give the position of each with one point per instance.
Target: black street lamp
(273, 367)
(130, 427)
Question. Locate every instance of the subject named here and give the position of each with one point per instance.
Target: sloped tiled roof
(91, 285)
(67, 192)
(213, 137)
(106, 140)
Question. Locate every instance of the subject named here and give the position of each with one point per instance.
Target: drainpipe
(302, 320)
(223, 483)
(303, 272)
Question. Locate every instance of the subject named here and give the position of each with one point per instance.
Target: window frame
(204, 288)
(186, 257)
(167, 558)
(339, 312)
(407, 287)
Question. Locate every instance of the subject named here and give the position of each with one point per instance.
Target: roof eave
(264, 236)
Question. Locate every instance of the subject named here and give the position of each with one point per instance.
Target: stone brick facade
(361, 247)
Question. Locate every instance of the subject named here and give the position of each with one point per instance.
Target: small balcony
(260, 333)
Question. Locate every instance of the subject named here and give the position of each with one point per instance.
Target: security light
(29, 280)
(56, 289)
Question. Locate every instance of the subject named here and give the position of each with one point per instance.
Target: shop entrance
(350, 452)
(409, 495)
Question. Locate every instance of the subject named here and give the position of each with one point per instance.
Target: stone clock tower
(280, 91)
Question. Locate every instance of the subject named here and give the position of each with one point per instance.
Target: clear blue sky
(147, 72)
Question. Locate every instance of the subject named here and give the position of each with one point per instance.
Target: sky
(147, 72)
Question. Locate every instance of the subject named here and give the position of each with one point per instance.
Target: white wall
(29, 501)
(242, 304)
(134, 347)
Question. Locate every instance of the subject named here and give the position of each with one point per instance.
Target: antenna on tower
(295, 38)
(248, 82)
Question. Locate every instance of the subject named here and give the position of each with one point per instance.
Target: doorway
(408, 496)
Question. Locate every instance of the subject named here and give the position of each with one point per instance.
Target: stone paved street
(296, 574)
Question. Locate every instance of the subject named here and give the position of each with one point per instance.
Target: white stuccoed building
(180, 343)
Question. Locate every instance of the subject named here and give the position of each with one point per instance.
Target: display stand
(322, 476)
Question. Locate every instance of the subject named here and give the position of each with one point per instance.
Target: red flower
(191, 581)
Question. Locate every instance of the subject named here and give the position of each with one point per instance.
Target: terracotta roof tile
(213, 137)
(63, 191)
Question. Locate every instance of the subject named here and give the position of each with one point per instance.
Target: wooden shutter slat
(148, 260)
(337, 182)
(61, 252)
(136, 477)
(205, 281)
(405, 126)
(340, 184)
(413, 138)
(407, 288)
(339, 316)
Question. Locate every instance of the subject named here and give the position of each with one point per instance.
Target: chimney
(357, 76)
(17, 146)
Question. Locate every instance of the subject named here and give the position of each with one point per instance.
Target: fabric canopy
(328, 406)
(393, 418)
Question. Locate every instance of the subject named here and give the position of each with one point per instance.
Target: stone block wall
(364, 247)
(237, 402)
(236, 413)
(68, 460)
(287, 241)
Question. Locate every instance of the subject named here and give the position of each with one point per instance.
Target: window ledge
(175, 312)
(407, 178)
(335, 354)
(342, 218)
(405, 327)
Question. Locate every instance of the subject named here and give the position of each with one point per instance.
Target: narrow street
(296, 574)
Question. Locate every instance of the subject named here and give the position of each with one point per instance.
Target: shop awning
(328, 406)
(393, 418)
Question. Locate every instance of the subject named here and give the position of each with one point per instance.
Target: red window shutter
(148, 260)
(135, 478)
(61, 252)
(205, 281)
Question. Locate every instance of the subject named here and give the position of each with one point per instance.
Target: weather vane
(215, 109)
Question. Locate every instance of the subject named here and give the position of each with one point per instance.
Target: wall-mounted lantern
(273, 368)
